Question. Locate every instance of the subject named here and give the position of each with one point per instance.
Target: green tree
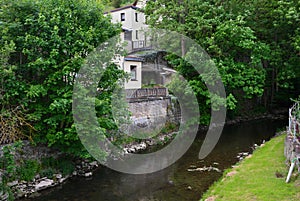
(52, 39)
(116, 3)
(232, 44)
(276, 24)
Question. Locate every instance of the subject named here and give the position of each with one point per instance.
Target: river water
(174, 183)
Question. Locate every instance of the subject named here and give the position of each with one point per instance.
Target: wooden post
(294, 127)
(290, 172)
(290, 123)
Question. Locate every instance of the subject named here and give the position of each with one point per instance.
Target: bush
(51, 165)
(66, 167)
(169, 127)
(28, 170)
(49, 162)
(47, 173)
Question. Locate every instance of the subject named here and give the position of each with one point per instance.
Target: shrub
(28, 170)
(66, 166)
(47, 173)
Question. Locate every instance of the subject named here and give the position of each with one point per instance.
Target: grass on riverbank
(260, 177)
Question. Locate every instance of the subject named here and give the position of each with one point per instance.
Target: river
(173, 183)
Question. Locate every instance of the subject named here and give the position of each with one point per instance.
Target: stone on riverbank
(44, 184)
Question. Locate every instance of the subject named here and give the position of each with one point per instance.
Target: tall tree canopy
(45, 43)
(255, 46)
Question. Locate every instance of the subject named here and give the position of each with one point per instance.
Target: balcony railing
(146, 93)
(138, 44)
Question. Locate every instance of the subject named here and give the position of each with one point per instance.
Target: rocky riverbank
(82, 167)
(275, 115)
(30, 188)
(45, 175)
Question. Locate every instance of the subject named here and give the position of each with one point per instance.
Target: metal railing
(292, 144)
(294, 120)
(146, 93)
(138, 44)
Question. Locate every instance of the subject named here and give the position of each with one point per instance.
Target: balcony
(138, 44)
(147, 93)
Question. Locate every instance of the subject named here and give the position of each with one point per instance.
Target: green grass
(256, 177)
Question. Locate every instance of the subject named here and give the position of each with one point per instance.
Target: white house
(133, 25)
(133, 66)
(133, 34)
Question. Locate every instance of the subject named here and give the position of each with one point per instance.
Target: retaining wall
(151, 115)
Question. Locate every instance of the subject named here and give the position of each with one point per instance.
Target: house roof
(126, 29)
(123, 8)
(132, 58)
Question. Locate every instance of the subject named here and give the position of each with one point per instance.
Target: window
(128, 35)
(137, 34)
(136, 17)
(122, 16)
(133, 73)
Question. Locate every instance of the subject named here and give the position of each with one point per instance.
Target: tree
(52, 39)
(275, 23)
(116, 3)
(232, 44)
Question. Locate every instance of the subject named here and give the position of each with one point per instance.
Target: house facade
(150, 107)
(134, 37)
(133, 25)
(133, 66)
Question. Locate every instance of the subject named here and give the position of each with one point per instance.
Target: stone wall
(151, 115)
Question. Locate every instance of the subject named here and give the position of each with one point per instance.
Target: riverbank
(26, 169)
(34, 168)
(175, 182)
(53, 176)
(258, 177)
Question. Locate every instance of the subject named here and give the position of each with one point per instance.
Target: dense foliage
(43, 45)
(254, 44)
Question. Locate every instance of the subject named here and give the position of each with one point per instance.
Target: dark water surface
(174, 183)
